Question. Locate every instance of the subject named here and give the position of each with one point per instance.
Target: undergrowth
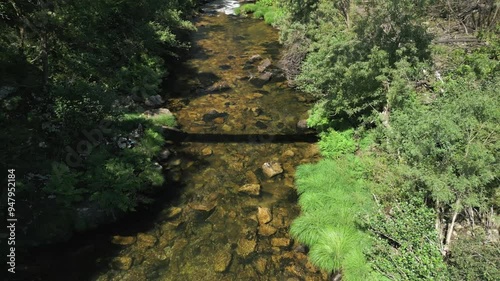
(263, 9)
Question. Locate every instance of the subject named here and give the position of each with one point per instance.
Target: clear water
(215, 235)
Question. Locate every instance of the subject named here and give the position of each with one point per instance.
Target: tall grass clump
(333, 198)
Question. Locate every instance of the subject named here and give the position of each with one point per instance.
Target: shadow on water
(180, 136)
(90, 252)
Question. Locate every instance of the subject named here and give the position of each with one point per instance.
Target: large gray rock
(165, 154)
(158, 111)
(154, 101)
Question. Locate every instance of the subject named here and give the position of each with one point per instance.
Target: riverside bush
(407, 246)
(430, 125)
(334, 144)
(475, 258)
(262, 9)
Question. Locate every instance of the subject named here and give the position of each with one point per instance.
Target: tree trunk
(451, 226)
(438, 228)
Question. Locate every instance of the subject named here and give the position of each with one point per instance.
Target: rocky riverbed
(229, 166)
(237, 200)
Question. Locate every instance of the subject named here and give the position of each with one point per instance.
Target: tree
(451, 147)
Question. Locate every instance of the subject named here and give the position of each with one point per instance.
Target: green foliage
(407, 247)
(332, 199)
(475, 258)
(354, 59)
(143, 77)
(436, 140)
(451, 145)
(367, 140)
(65, 66)
(475, 65)
(246, 9)
(319, 116)
(62, 185)
(334, 144)
(165, 120)
(262, 9)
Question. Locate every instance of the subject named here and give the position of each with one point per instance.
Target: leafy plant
(262, 9)
(334, 144)
(407, 246)
(475, 258)
(62, 185)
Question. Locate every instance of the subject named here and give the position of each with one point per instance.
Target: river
(225, 219)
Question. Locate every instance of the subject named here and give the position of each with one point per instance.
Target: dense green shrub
(475, 258)
(407, 246)
(70, 67)
(262, 9)
(335, 144)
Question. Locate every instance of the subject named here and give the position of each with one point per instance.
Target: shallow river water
(212, 230)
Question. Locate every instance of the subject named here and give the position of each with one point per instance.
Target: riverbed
(228, 218)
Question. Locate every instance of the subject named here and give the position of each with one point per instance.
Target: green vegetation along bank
(78, 80)
(408, 114)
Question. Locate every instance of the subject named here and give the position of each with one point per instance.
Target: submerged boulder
(252, 189)
(123, 240)
(272, 169)
(254, 58)
(218, 87)
(122, 263)
(280, 242)
(146, 240)
(267, 230)
(302, 124)
(222, 260)
(246, 247)
(264, 65)
(213, 114)
(264, 215)
(262, 79)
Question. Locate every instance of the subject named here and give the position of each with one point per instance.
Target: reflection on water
(221, 6)
(228, 6)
